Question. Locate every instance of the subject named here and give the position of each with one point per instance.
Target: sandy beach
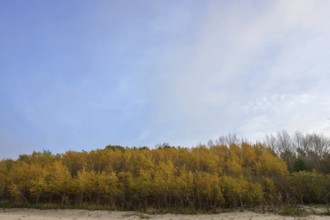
(33, 214)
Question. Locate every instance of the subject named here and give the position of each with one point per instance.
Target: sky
(83, 74)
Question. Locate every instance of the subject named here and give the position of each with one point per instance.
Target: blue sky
(82, 74)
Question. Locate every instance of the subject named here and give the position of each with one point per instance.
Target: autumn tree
(226, 173)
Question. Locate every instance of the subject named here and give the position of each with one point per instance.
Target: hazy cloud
(178, 72)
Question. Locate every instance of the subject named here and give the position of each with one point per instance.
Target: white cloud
(304, 112)
(177, 72)
(272, 53)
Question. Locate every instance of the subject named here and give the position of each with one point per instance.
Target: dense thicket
(302, 152)
(207, 178)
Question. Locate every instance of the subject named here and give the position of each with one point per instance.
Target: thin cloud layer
(147, 73)
(241, 55)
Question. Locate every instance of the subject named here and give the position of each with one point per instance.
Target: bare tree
(271, 142)
(228, 140)
(301, 151)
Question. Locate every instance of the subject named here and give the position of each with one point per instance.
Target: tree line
(225, 173)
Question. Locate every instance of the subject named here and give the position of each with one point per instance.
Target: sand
(33, 214)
